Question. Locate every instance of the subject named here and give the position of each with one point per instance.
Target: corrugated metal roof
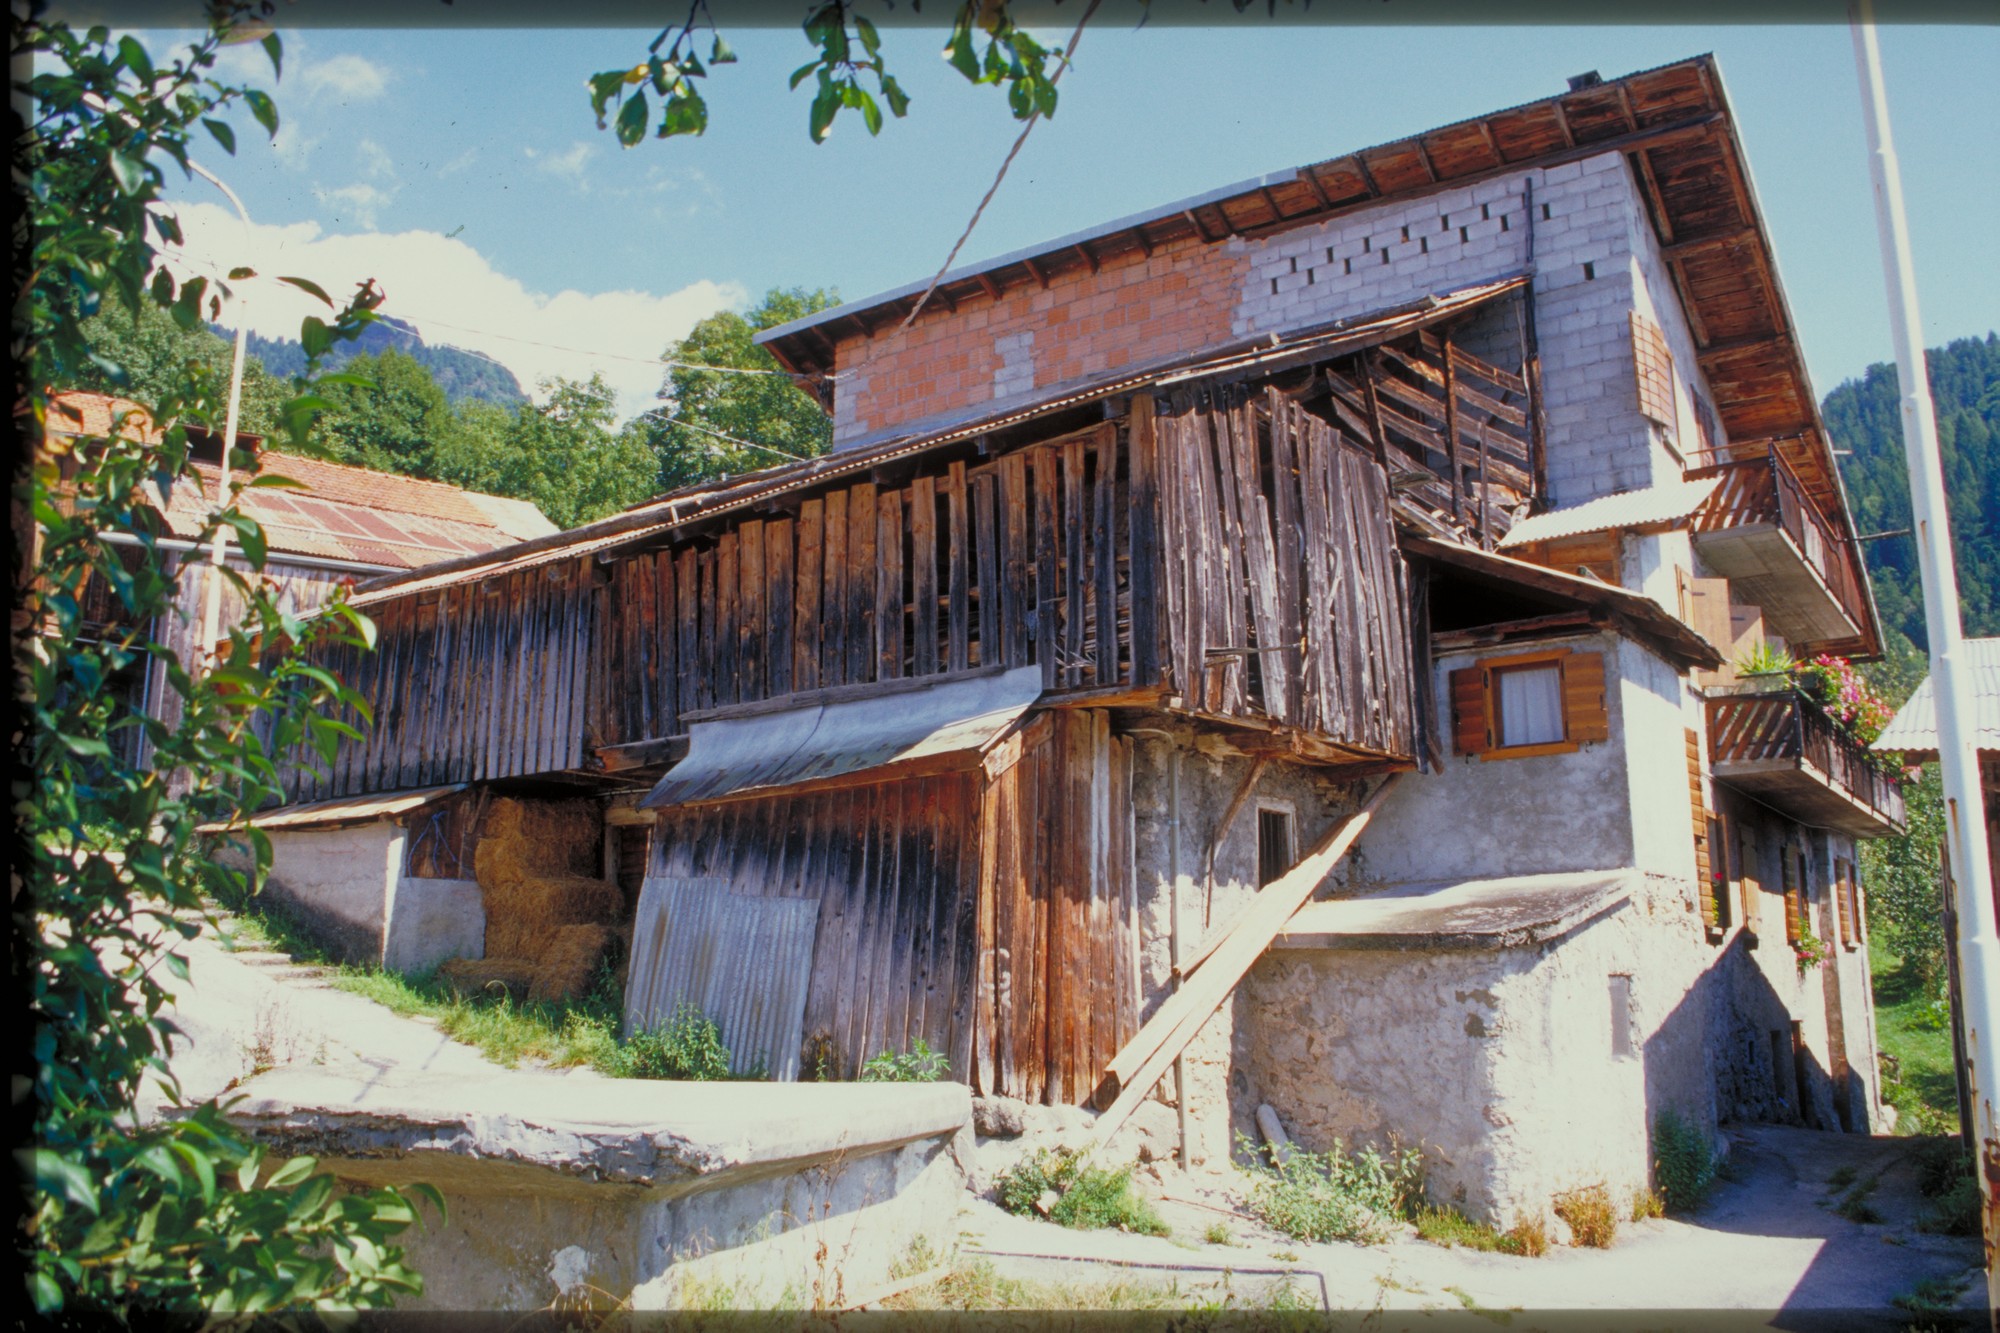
(1914, 728)
(350, 810)
(1629, 509)
(734, 757)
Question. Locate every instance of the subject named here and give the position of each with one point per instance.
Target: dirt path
(1768, 1250)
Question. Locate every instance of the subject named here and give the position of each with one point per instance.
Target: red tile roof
(341, 513)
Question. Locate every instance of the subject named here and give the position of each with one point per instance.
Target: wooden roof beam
(1367, 176)
(1037, 272)
(1656, 203)
(1485, 124)
(1424, 156)
(1311, 178)
(1727, 236)
(1091, 259)
(1773, 342)
(1562, 123)
(987, 285)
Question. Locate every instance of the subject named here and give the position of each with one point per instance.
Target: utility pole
(1965, 822)
(211, 599)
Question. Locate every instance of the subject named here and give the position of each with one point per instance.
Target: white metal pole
(1965, 822)
(211, 601)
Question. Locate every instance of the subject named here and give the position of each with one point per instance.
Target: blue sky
(463, 167)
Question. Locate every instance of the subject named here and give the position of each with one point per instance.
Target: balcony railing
(1765, 491)
(1787, 750)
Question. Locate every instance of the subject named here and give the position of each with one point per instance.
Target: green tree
(158, 356)
(123, 1217)
(392, 416)
(567, 455)
(698, 436)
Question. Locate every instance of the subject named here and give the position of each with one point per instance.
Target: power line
(748, 444)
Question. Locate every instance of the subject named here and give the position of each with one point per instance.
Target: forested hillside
(464, 376)
(1864, 416)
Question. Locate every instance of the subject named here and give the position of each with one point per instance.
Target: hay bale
(569, 964)
(482, 978)
(532, 863)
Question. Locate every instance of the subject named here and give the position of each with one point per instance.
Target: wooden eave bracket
(649, 753)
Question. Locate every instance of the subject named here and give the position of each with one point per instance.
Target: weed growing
(1841, 1179)
(1931, 1300)
(1944, 1174)
(1086, 1197)
(1683, 1163)
(1647, 1204)
(1218, 1233)
(1856, 1206)
(1593, 1221)
(1449, 1227)
(1335, 1195)
(687, 1046)
(920, 1064)
(1528, 1238)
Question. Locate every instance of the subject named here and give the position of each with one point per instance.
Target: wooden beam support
(1726, 236)
(1133, 1071)
(643, 754)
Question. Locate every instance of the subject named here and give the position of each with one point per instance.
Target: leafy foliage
(1088, 1197)
(919, 1064)
(847, 58)
(698, 436)
(1864, 416)
(687, 1046)
(125, 1217)
(1683, 1162)
(567, 455)
(1334, 1195)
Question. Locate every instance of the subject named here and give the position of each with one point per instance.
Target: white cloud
(459, 163)
(375, 160)
(350, 77)
(569, 163)
(360, 204)
(453, 295)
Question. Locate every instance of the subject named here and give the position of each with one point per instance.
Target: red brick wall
(1135, 309)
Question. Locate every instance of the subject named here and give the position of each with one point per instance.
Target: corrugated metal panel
(1914, 727)
(353, 810)
(772, 751)
(1631, 509)
(744, 961)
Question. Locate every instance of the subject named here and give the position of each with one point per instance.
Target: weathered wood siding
(1024, 559)
(468, 683)
(993, 920)
(1287, 598)
(1058, 980)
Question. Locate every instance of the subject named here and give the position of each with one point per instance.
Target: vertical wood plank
(1075, 571)
(833, 594)
(986, 585)
(806, 596)
(728, 619)
(666, 647)
(778, 610)
(958, 629)
(1104, 553)
(1048, 587)
(1142, 573)
(889, 585)
(708, 655)
(687, 627)
(923, 576)
(750, 627)
(859, 611)
(1017, 595)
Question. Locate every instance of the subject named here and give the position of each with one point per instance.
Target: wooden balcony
(1783, 749)
(1764, 534)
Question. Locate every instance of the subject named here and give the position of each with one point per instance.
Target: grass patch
(1450, 1228)
(1856, 1207)
(1944, 1174)
(1932, 1301)
(1593, 1221)
(919, 1064)
(1841, 1179)
(505, 1031)
(1918, 1078)
(1648, 1204)
(1335, 1195)
(1062, 1186)
(1218, 1233)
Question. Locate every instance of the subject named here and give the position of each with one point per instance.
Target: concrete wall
(347, 886)
(1516, 1071)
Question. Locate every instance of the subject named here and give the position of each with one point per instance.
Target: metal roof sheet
(349, 810)
(1914, 728)
(768, 752)
(1459, 914)
(1629, 509)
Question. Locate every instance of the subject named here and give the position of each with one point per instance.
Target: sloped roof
(1914, 728)
(1629, 509)
(343, 513)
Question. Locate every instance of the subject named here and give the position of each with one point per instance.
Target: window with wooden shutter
(1792, 869)
(1654, 366)
(1529, 704)
(1705, 850)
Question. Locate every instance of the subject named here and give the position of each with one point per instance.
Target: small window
(1274, 845)
(1528, 705)
(1622, 1047)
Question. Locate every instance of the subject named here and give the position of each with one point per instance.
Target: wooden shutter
(1704, 844)
(1584, 714)
(1748, 884)
(1471, 719)
(1794, 918)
